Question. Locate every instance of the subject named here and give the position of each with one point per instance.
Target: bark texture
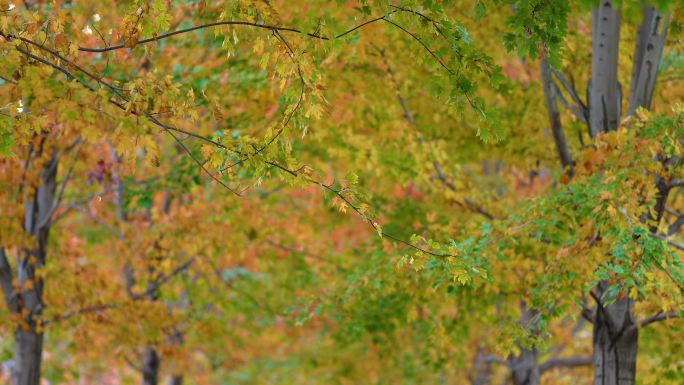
(38, 207)
(524, 368)
(647, 53)
(150, 366)
(604, 89)
(615, 343)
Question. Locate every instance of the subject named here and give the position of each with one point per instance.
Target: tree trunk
(524, 367)
(604, 89)
(615, 339)
(175, 380)
(615, 342)
(481, 371)
(150, 366)
(38, 206)
(647, 53)
(27, 356)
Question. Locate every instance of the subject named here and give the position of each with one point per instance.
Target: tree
(413, 116)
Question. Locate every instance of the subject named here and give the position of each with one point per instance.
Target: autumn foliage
(345, 192)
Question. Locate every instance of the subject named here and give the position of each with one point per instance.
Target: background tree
(415, 117)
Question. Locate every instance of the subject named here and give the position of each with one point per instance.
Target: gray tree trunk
(604, 89)
(150, 366)
(524, 368)
(613, 365)
(615, 339)
(615, 343)
(647, 53)
(28, 339)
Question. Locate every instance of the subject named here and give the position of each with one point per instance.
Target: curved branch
(416, 38)
(582, 111)
(656, 318)
(221, 23)
(195, 28)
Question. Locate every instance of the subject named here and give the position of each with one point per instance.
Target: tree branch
(656, 318)
(156, 284)
(243, 23)
(669, 242)
(554, 116)
(676, 225)
(580, 110)
(677, 183)
(135, 297)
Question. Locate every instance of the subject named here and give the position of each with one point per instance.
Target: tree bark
(615, 342)
(150, 366)
(647, 53)
(481, 370)
(604, 89)
(524, 368)
(28, 337)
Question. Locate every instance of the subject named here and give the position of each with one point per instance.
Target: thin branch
(363, 25)
(223, 23)
(411, 121)
(135, 297)
(132, 364)
(550, 96)
(245, 294)
(437, 27)
(588, 314)
(195, 28)
(416, 38)
(113, 89)
(656, 318)
(114, 231)
(676, 225)
(200, 164)
(156, 284)
(466, 201)
(669, 241)
(582, 112)
(58, 199)
(8, 80)
(306, 253)
(291, 114)
(677, 183)
(85, 310)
